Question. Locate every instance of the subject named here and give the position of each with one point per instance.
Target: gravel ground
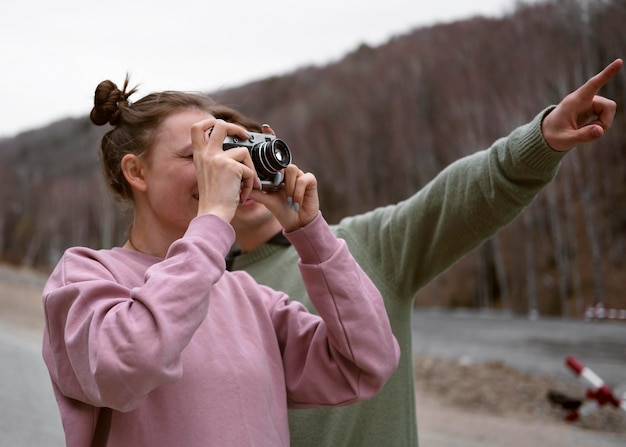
(498, 392)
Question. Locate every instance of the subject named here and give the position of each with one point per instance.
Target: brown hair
(134, 125)
(233, 116)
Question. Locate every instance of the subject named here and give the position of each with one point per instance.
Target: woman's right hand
(225, 178)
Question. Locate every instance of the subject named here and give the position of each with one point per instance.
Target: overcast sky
(54, 53)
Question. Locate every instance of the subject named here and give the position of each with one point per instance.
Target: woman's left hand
(297, 203)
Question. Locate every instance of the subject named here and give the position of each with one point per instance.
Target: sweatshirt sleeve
(351, 352)
(109, 344)
(409, 243)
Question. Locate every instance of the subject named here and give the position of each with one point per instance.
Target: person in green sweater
(405, 245)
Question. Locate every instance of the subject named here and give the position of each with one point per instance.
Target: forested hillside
(375, 127)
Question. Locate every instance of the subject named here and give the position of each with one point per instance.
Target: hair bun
(108, 102)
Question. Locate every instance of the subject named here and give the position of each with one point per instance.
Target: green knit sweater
(402, 247)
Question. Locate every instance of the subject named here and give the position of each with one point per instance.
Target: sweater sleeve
(110, 343)
(408, 244)
(351, 352)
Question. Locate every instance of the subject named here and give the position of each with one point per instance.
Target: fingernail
(265, 125)
(296, 207)
(290, 202)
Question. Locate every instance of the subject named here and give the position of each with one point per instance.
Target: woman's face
(170, 174)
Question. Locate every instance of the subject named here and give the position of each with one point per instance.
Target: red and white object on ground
(598, 395)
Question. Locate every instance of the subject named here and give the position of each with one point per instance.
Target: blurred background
(377, 123)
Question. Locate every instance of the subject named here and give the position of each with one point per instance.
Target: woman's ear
(133, 170)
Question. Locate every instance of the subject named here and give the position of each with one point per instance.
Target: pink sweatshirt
(186, 354)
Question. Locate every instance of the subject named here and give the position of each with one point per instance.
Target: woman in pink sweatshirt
(154, 344)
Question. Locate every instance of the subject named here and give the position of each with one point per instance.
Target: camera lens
(270, 157)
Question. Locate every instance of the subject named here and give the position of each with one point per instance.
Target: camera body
(269, 154)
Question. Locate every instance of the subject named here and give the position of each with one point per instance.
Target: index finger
(595, 83)
(212, 132)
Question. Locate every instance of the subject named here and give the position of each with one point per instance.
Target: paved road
(29, 415)
(539, 346)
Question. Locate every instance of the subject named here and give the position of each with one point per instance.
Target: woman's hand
(225, 178)
(296, 204)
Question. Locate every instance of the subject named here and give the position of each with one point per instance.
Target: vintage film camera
(269, 154)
